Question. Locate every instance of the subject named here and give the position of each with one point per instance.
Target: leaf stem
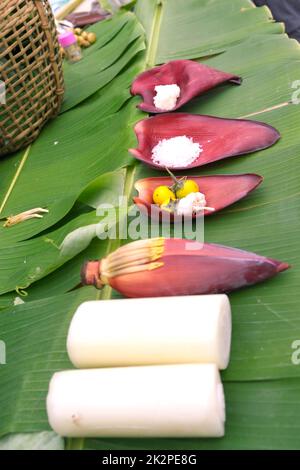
(266, 110)
(154, 35)
(15, 178)
(74, 444)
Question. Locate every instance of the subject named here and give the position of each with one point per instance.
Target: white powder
(178, 151)
(166, 96)
(191, 204)
(18, 301)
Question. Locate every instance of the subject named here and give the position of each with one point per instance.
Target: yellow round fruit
(162, 194)
(189, 186)
(91, 37)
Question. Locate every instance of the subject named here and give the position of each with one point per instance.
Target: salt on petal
(178, 151)
(166, 96)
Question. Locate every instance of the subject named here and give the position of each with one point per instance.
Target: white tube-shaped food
(168, 330)
(150, 401)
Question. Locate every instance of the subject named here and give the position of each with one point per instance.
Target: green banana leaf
(69, 169)
(45, 440)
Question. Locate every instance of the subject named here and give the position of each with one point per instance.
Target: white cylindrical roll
(150, 401)
(168, 330)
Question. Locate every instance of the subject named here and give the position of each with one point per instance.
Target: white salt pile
(176, 152)
(166, 96)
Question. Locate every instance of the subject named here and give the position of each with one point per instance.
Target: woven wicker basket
(32, 88)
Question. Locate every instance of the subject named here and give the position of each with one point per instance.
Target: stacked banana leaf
(81, 160)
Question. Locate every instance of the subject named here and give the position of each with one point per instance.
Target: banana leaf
(89, 139)
(45, 440)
